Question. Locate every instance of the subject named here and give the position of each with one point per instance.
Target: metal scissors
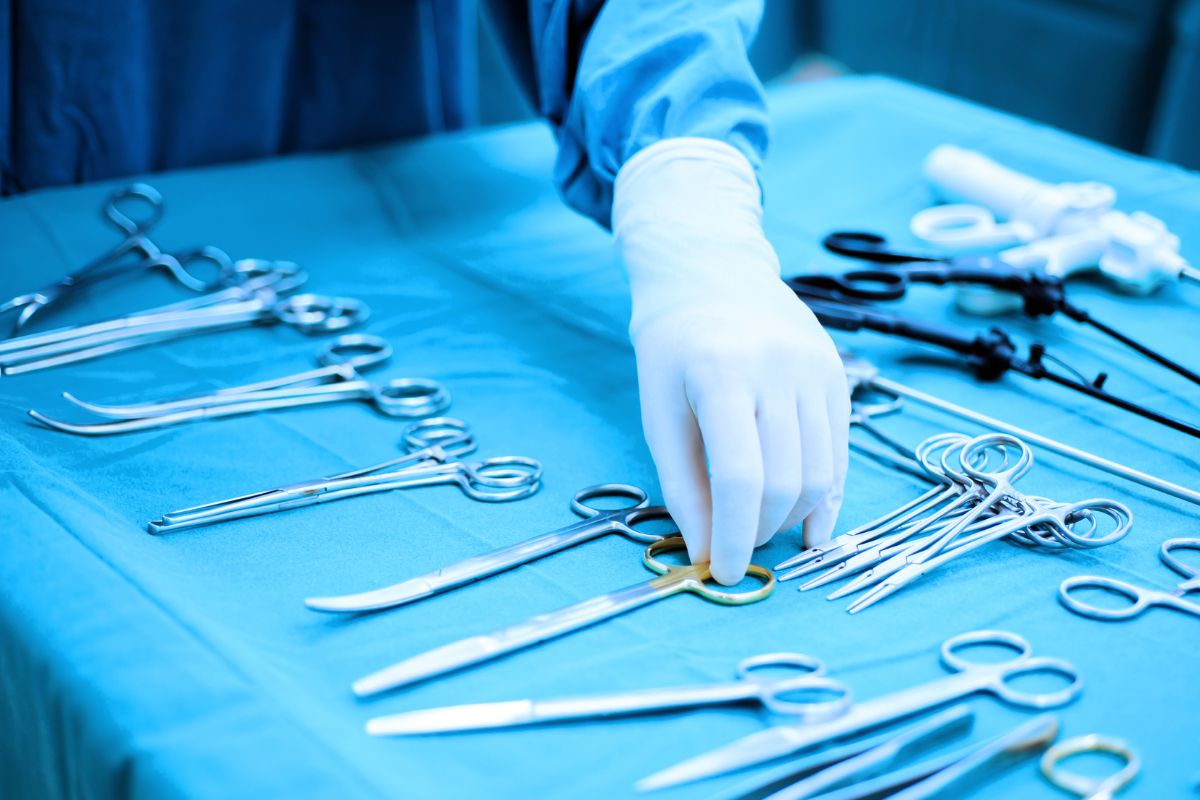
(672, 580)
(337, 380)
(118, 210)
(1081, 785)
(428, 463)
(256, 303)
(596, 522)
(1142, 598)
(806, 694)
(998, 679)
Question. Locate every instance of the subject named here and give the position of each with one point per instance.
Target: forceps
(842, 547)
(1142, 598)
(797, 696)
(337, 380)
(1058, 517)
(149, 256)
(671, 580)
(1081, 785)
(256, 303)
(596, 522)
(969, 677)
(432, 459)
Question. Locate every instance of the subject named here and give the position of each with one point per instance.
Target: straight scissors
(805, 694)
(117, 209)
(596, 522)
(337, 380)
(998, 679)
(255, 303)
(1142, 598)
(672, 580)
(432, 458)
(1082, 785)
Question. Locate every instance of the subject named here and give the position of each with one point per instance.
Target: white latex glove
(745, 404)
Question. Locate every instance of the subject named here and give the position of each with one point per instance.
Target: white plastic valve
(1059, 229)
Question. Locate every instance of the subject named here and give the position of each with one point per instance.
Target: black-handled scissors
(1042, 295)
(869, 246)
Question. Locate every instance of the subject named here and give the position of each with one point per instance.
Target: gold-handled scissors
(671, 580)
(1081, 785)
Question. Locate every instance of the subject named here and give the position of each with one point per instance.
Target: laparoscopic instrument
(433, 448)
(865, 378)
(989, 355)
(671, 580)
(969, 677)
(1041, 295)
(338, 379)
(1142, 599)
(596, 522)
(790, 684)
(975, 505)
(134, 210)
(1059, 228)
(1083, 785)
(258, 300)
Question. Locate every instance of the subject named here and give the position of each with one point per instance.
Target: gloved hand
(745, 404)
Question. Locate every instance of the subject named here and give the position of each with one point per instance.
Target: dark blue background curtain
(91, 89)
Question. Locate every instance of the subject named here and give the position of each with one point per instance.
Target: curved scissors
(1000, 679)
(805, 694)
(596, 522)
(135, 226)
(337, 380)
(1142, 598)
(1082, 785)
(672, 580)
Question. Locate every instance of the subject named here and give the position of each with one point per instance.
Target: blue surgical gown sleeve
(613, 77)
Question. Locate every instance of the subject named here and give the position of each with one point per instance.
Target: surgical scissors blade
(802, 694)
(671, 580)
(1143, 598)
(968, 678)
(337, 381)
(596, 522)
(874, 761)
(1022, 742)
